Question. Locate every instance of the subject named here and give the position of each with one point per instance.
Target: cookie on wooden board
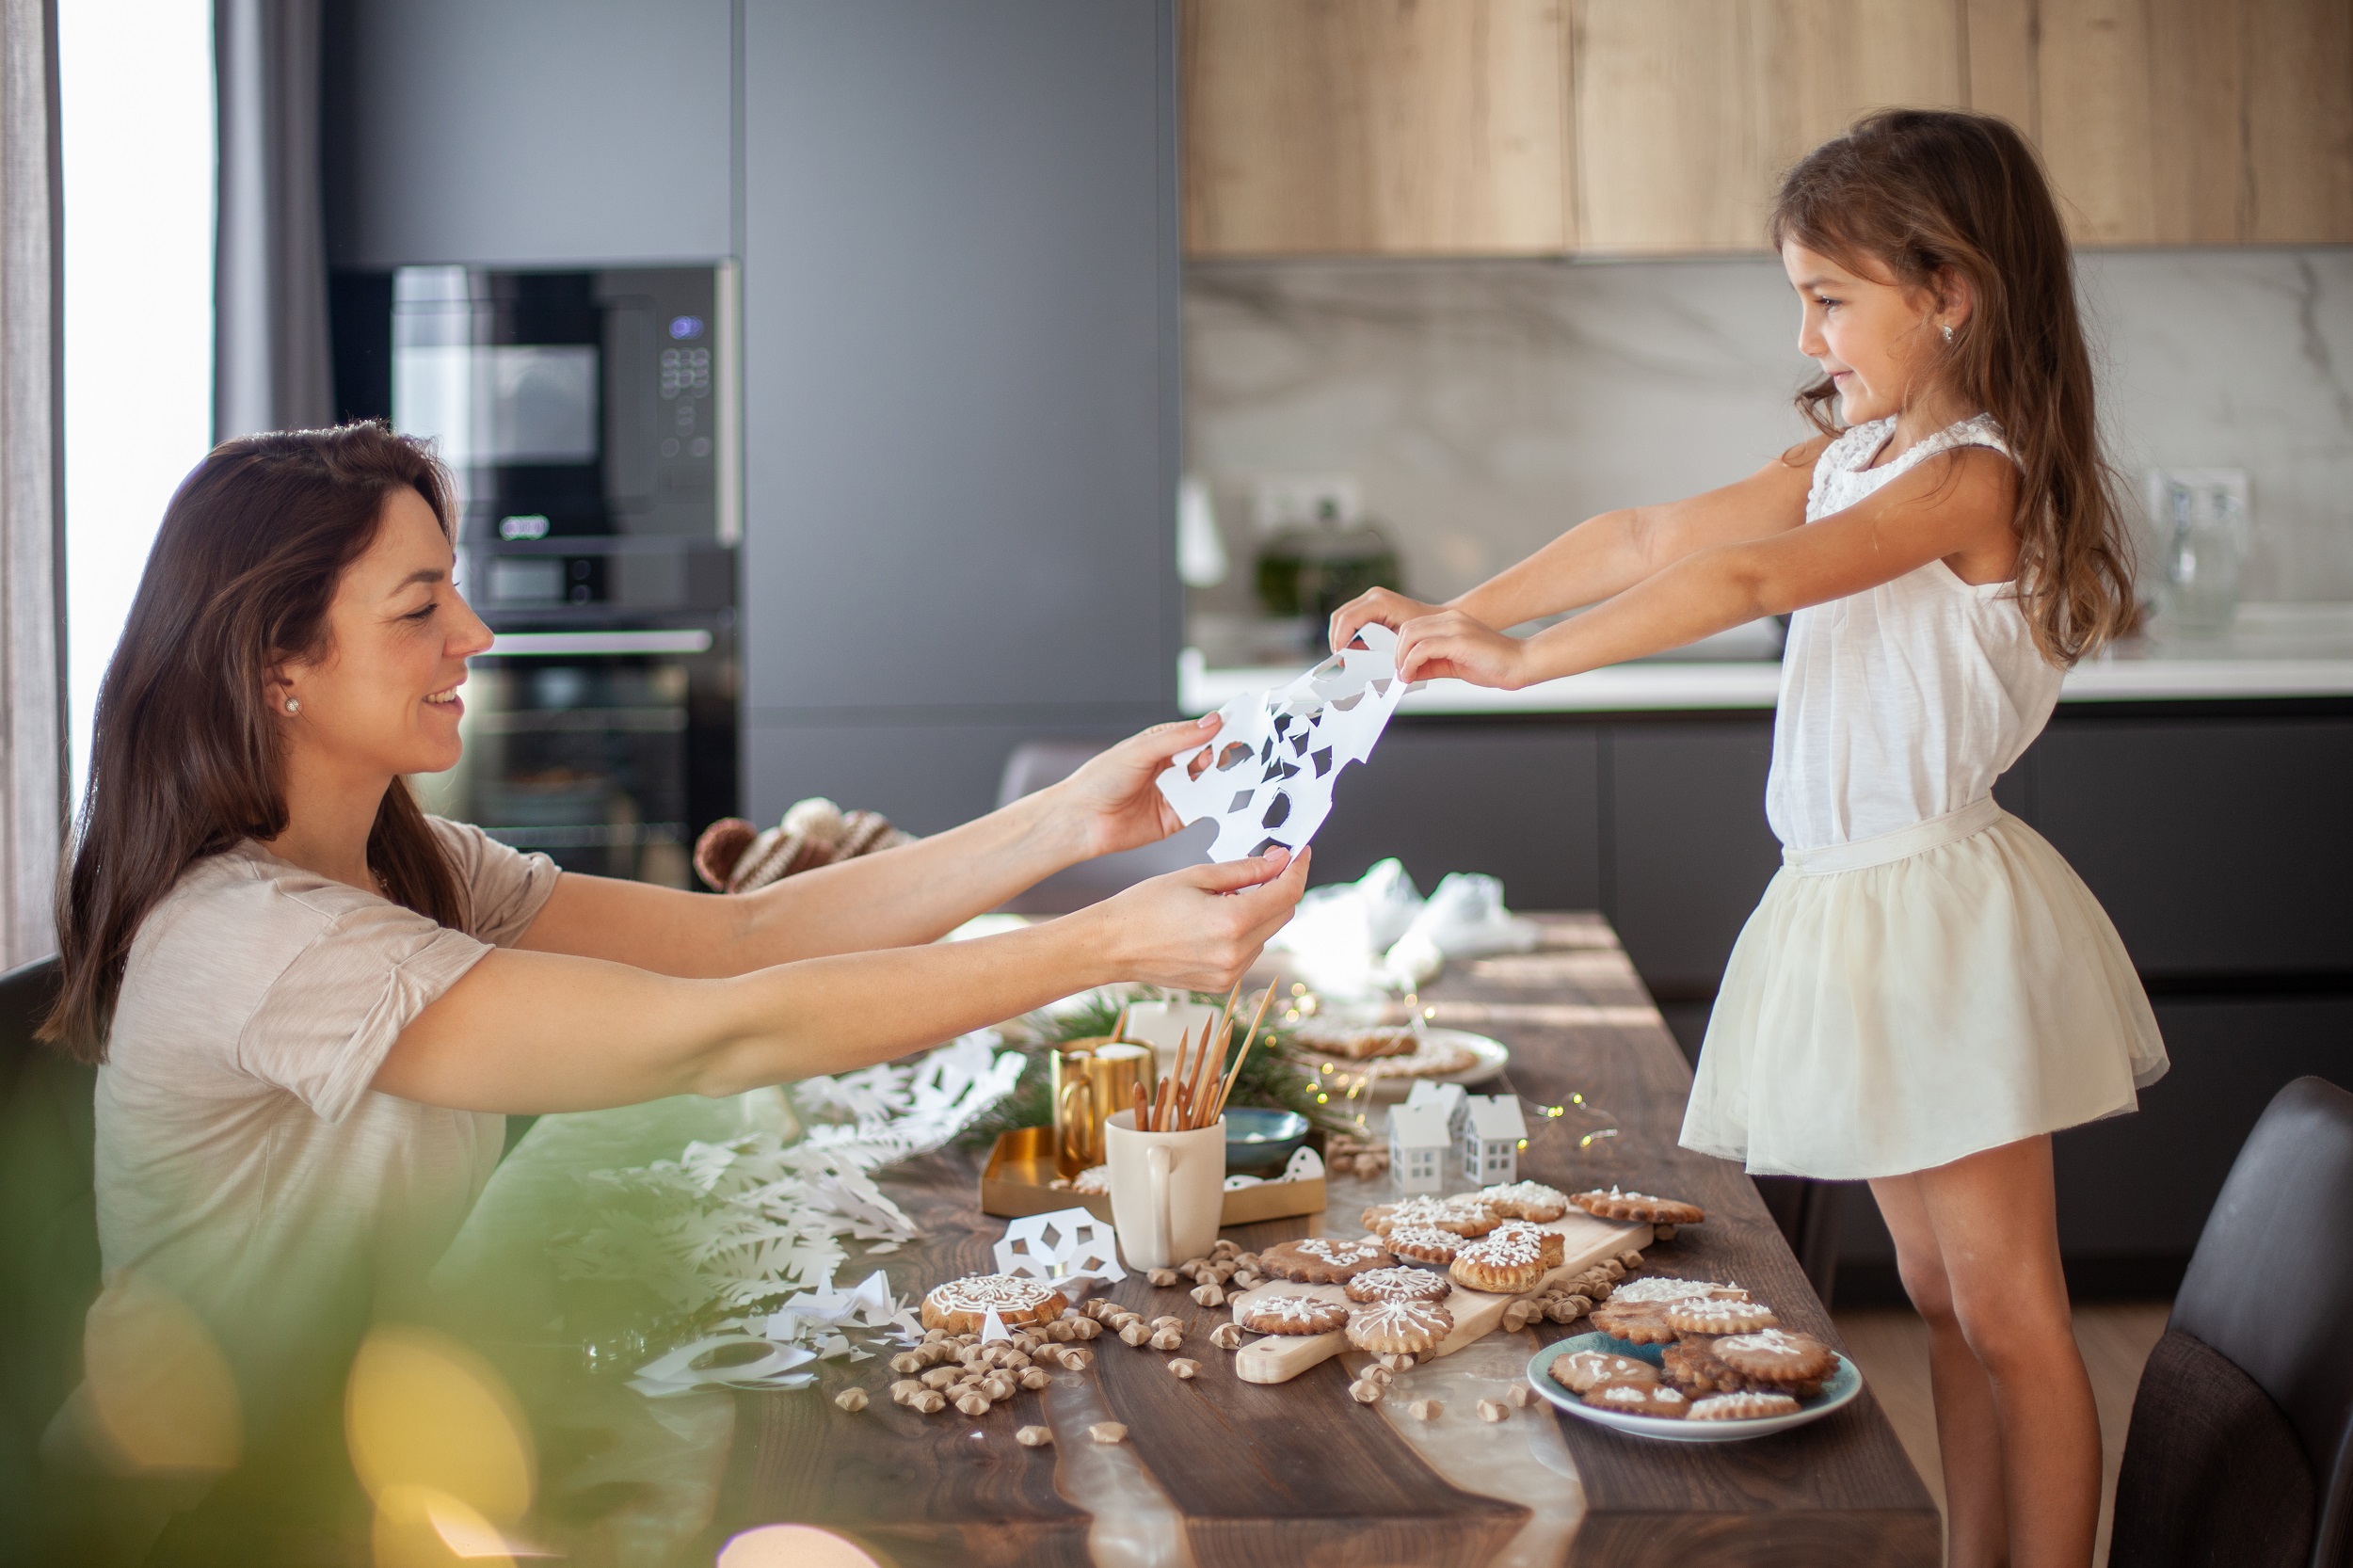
(1323, 1259)
(1294, 1312)
(1398, 1328)
(1639, 1207)
(1399, 1285)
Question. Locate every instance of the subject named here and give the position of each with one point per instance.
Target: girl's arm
(1955, 507)
(896, 898)
(535, 1032)
(1608, 553)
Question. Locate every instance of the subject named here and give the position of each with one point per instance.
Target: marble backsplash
(1483, 407)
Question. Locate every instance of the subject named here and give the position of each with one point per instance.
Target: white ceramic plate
(1839, 1387)
(1489, 1058)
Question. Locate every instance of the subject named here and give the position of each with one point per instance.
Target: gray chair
(1034, 765)
(2240, 1453)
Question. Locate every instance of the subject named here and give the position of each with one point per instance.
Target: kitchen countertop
(2273, 650)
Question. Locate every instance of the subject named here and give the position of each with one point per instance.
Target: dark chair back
(48, 1233)
(2241, 1445)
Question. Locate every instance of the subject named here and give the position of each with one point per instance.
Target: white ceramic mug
(1168, 1189)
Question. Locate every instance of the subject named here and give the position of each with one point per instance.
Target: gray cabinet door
(527, 132)
(1690, 852)
(959, 309)
(2218, 845)
(1519, 802)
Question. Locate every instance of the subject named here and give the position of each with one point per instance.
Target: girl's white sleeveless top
(1905, 702)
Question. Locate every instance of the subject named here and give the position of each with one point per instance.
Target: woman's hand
(1385, 606)
(1201, 928)
(1449, 643)
(1112, 803)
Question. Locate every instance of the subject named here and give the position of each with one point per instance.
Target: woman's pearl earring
(1949, 331)
(294, 705)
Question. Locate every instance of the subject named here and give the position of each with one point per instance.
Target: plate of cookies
(1392, 1059)
(1692, 1361)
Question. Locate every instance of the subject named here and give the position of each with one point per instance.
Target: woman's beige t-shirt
(242, 1163)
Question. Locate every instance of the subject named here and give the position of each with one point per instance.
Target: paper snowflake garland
(1069, 1246)
(1271, 767)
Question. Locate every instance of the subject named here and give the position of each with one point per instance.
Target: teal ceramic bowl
(1261, 1143)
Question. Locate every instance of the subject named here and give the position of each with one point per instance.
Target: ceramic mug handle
(1156, 1160)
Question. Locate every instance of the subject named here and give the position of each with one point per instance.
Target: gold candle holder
(1093, 1081)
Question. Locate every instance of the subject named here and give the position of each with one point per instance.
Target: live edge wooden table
(1218, 1472)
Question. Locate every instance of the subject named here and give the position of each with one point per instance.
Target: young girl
(1927, 992)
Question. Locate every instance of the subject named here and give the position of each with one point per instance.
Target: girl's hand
(1385, 606)
(1450, 644)
(1110, 804)
(1202, 928)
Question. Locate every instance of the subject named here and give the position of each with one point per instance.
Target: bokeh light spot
(793, 1546)
(424, 1412)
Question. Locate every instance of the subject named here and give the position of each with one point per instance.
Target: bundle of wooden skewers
(1192, 1096)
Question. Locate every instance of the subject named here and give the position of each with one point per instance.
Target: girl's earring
(294, 705)
(1949, 331)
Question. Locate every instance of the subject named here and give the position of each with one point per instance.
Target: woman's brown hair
(1930, 196)
(185, 761)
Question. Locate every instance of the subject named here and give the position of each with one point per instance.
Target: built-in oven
(591, 421)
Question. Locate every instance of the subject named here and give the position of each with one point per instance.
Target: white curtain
(33, 770)
(271, 366)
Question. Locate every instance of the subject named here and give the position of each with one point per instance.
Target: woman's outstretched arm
(1605, 555)
(538, 1031)
(896, 898)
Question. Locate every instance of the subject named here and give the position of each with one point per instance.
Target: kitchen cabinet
(1376, 125)
(1688, 110)
(1323, 126)
(527, 133)
(960, 270)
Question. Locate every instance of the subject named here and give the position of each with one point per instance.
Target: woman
(311, 1003)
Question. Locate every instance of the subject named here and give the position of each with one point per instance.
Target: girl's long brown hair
(186, 759)
(1930, 196)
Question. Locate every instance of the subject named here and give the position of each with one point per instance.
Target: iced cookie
(1638, 1322)
(1421, 1244)
(1460, 1215)
(1582, 1370)
(963, 1305)
(1657, 1289)
(1322, 1259)
(1526, 1200)
(1707, 1317)
(1504, 1263)
(1639, 1399)
(1550, 1243)
(1639, 1207)
(1399, 1285)
(1398, 1328)
(1778, 1357)
(1292, 1313)
(1741, 1407)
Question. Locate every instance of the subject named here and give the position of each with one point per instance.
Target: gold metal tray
(1014, 1183)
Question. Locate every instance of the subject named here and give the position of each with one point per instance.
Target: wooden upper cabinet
(1687, 111)
(1375, 126)
(1516, 127)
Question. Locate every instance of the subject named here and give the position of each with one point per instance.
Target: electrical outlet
(1285, 501)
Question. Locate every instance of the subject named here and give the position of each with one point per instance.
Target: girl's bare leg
(1996, 1222)
(1968, 1437)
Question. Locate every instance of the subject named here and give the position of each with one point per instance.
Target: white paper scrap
(1271, 770)
(1069, 1247)
(676, 1372)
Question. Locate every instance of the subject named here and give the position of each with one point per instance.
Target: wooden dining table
(1217, 1472)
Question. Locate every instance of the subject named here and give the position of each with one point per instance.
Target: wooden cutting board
(1280, 1357)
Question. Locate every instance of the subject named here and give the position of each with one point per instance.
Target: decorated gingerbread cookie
(1421, 1244)
(1526, 1200)
(1505, 1263)
(1582, 1370)
(1639, 1399)
(1291, 1312)
(1398, 1328)
(1741, 1407)
(1639, 1207)
(963, 1305)
(1712, 1318)
(1399, 1285)
(1793, 1362)
(1462, 1215)
(1323, 1259)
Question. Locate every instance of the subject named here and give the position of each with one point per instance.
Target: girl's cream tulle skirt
(1899, 1002)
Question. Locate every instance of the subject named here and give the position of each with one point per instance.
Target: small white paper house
(1491, 1138)
(1448, 1097)
(1418, 1141)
